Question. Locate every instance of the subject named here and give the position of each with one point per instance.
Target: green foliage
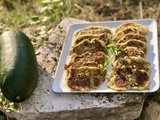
(7, 105)
(34, 20)
(53, 10)
(114, 49)
(15, 14)
(40, 36)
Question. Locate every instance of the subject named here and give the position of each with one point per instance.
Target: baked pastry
(97, 57)
(133, 25)
(134, 43)
(88, 46)
(130, 51)
(84, 78)
(132, 62)
(118, 35)
(130, 69)
(131, 36)
(128, 79)
(101, 33)
(86, 69)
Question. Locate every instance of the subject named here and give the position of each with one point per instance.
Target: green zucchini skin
(18, 66)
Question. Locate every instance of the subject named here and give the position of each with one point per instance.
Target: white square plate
(59, 83)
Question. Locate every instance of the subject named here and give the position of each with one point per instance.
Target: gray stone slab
(44, 104)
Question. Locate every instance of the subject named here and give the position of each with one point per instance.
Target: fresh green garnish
(7, 105)
(107, 60)
(105, 71)
(114, 49)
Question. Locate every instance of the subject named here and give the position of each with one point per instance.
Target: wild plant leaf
(13, 106)
(110, 45)
(35, 18)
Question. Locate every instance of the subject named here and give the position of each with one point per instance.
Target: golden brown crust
(102, 37)
(142, 29)
(115, 82)
(128, 30)
(88, 46)
(85, 70)
(97, 57)
(129, 79)
(84, 78)
(130, 70)
(130, 51)
(131, 36)
(81, 64)
(101, 33)
(132, 62)
(136, 43)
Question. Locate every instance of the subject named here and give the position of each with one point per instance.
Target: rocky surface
(44, 104)
(152, 110)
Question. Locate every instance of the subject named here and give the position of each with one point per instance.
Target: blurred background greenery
(37, 18)
(20, 14)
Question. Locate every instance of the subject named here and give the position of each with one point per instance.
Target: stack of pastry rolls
(86, 68)
(130, 69)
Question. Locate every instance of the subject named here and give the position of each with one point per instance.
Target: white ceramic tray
(59, 83)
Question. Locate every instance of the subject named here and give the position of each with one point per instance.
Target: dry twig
(80, 8)
(141, 9)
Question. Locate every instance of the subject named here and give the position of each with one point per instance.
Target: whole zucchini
(18, 66)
